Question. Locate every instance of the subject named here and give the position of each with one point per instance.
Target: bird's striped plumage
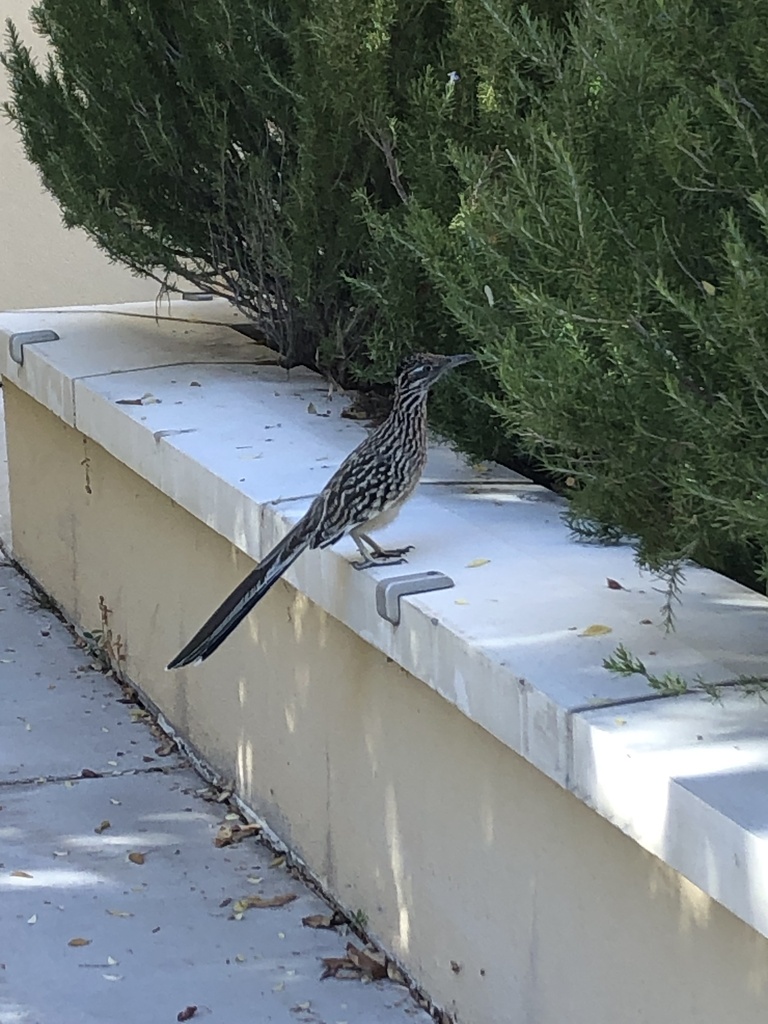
(365, 492)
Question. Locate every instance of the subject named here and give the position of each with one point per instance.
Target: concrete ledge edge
(236, 444)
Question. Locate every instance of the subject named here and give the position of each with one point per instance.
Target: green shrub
(585, 205)
(477, 98)
(220, 142)
(608, 255)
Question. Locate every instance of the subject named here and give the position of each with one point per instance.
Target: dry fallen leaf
(395, 974)
(112, 977)
(187, 1013)
(614, 584)
(102, 827)
(120, 913)
(646, 622)
(477, 562)
(261, 902)
(598, 629)
(323, 920)
(277, 862)
(137, 858)
(234, 832)
(79, 942)
(165, 749)
(89, 773)
(338, 966)
(32, 920)
(207, 793)
(370, 961)
(461, 600)
(21, 874)
(147, 399)
(358, 963)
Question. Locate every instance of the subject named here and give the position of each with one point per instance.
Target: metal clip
(389, 592)
(16, 342)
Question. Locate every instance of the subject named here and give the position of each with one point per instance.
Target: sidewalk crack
(41, 780)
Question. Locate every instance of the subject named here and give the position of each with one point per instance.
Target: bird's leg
(377, 555)
(379, 552)
(365, 561)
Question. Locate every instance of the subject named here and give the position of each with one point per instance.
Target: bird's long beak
(460, 360)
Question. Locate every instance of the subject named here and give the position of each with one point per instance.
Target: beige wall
(41, 263)
(456, 849)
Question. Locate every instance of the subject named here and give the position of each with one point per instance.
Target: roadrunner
(364, 494)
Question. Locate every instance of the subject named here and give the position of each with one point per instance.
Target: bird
(365, 493)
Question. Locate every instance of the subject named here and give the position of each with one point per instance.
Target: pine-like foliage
(576, 189)
(469, 105)
(220, 141)
(608, 253)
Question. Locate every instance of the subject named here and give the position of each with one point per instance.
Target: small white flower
(454, 77)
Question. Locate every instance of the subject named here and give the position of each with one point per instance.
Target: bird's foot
(388, 553)
(376, 560)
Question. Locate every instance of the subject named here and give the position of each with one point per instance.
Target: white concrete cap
(245, 447)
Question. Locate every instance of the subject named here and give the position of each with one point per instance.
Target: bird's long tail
(228, 615)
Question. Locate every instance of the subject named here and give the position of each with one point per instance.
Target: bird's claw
(376, 561)
(387, 553)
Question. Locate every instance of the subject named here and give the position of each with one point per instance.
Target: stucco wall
(41, 262)
(456, 849)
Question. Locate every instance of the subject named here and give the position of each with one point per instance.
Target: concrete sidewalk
(115, 905)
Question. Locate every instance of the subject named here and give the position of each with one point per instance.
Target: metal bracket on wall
(389, 592)
(16, 342)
